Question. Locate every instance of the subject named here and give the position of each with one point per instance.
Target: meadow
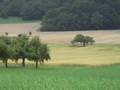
(71, 68)
(60, 78)
(95, 67)
(92, 55)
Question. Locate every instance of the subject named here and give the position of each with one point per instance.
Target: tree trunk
(3, 61)
(23, 62)
(6, 64)
(36, 64)
(84, 44)
(16, 61)
(40, 62)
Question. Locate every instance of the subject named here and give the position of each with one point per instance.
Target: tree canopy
(81, 39)
(37, 51)
(65, 15)
(23, 47)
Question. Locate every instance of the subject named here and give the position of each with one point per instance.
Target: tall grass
(61, 78)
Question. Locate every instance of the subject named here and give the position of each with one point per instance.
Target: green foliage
(87, 14)
(68, 15)
(27, 9)
(82, 15)
(15, 49)
(32, 10)
(22, 42)
(83, 39)
(37, 51)
(89, 40)
(22, 47)
(5, 49)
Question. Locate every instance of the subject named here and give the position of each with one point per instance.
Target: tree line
(27, 9)
(23, 47)
(65, 15)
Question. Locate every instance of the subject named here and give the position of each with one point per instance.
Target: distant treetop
(65, 15)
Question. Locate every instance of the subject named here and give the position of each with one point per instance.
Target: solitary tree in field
(79, 39)
(89, 40)
(82, 39)
(37, 51)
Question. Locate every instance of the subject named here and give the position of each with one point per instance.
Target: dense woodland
(65, 15)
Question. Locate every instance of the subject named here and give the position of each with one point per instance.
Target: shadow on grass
(53, 67)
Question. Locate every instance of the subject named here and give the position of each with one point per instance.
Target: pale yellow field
(91, 55)
(112, 36)
(95, 55)
(64, 54)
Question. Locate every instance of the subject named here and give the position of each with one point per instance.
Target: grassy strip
(12, 20)
(61, 78)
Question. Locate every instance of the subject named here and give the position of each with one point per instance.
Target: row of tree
(23, 47)
(66, 15)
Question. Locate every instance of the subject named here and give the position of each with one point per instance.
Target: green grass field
(12, 20)
(71, 68)
(50, 77)
(61, 78)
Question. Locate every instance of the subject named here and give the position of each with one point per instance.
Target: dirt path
(59, 37)
(18, 28)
